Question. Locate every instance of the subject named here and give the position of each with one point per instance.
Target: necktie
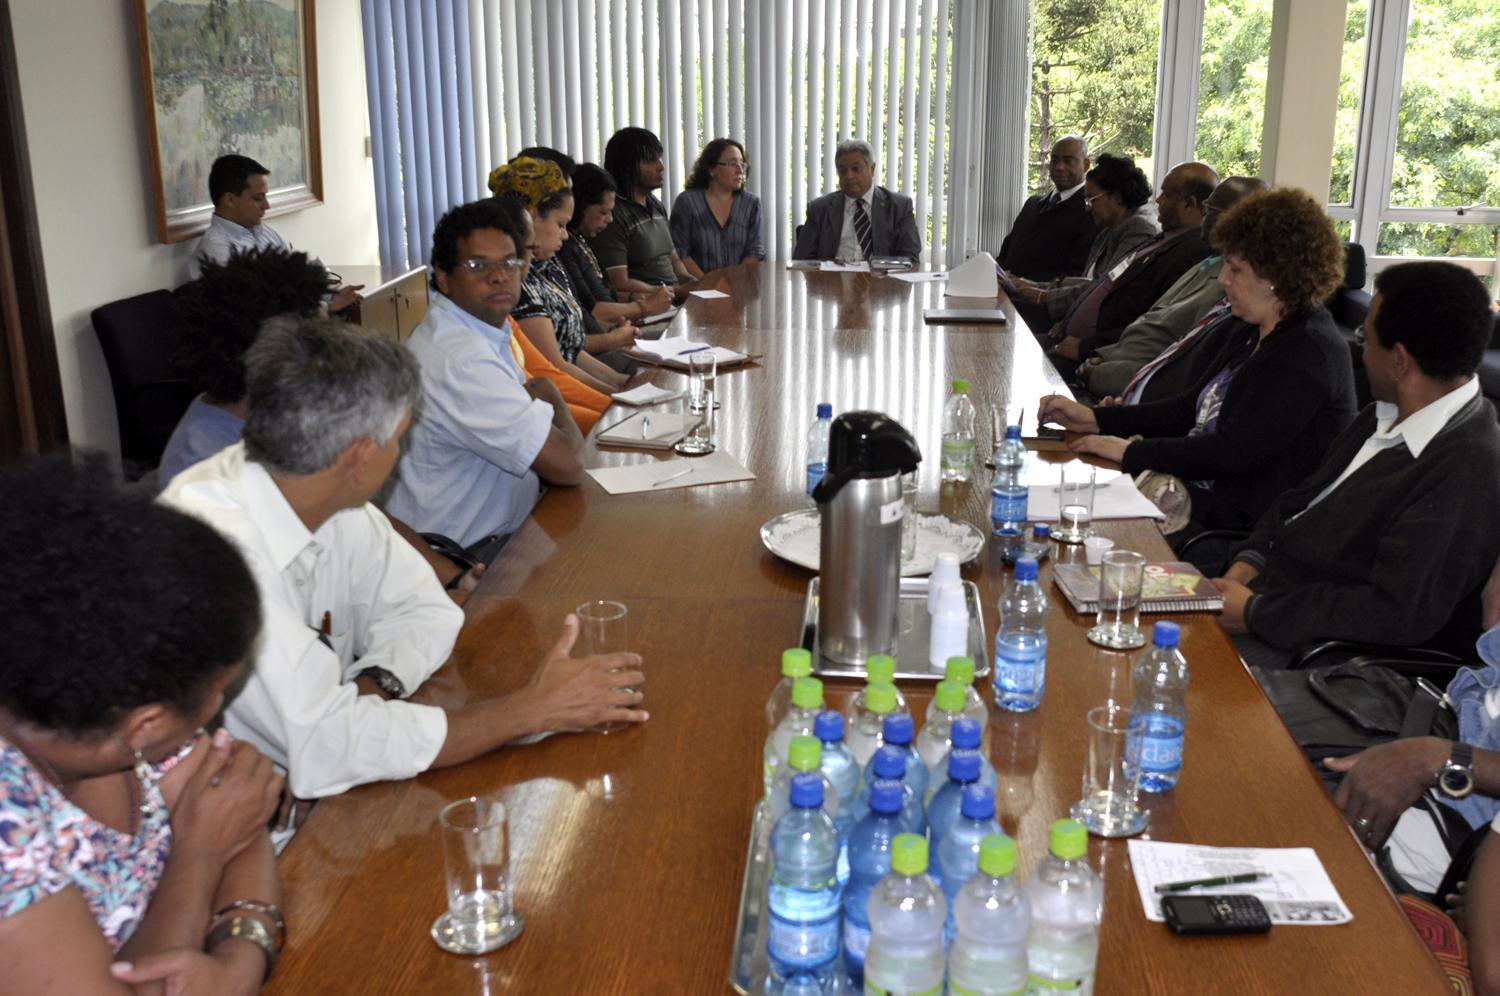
(862, 227)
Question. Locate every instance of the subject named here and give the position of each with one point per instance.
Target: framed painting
(222, 77)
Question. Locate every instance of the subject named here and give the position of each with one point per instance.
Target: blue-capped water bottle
(947, 801)
(958, 849)
(842, 772)
(804, 898)
(869, 862)
(889, 763)
(967, 735)
(897, 732)
(1159, 714)
(817, 445)
(1021, 643)
(1008, 491)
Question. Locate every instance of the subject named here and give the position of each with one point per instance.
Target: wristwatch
(1456, 780)
(385, 681)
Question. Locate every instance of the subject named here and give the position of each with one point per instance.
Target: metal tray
(912, 640)
(748, 966)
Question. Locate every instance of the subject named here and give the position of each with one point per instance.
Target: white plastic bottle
(817, 445)
(993, 915)
(907, 909)
(1021, 643)
(795, 663)
(1067, 899)
(807, 701)
(958, 434)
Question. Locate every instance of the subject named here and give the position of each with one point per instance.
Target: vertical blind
(457, 87)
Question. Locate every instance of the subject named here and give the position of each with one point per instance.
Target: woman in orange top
(586, 404)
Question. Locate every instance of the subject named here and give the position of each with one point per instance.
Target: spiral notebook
(1168, 587)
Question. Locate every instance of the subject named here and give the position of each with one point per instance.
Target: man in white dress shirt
(860, 220)
(355, 620)
(238, 187)
(487, 436)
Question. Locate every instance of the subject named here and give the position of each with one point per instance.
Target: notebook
(647, 430)
(964, 316)
(1168, 587)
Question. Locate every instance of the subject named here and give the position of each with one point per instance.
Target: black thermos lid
(866, 444)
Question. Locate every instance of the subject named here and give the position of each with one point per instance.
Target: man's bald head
(1226, 195)
(1184, 191)
(1069, 162)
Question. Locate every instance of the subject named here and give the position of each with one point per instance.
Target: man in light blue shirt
(486, 436)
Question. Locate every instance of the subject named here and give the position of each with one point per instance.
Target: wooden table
(628, 849)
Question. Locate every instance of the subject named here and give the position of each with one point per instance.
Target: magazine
(1167, 587)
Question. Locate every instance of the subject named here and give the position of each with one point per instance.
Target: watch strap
(1462, 755)
(388, 683)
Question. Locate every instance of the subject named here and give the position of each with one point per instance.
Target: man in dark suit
(859, 220)
(1052, 235)
(1121, 296)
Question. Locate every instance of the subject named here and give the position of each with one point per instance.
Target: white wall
(85, 124)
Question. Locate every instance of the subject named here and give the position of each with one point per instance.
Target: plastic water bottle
(966, 736)
(936, 738)
(961, 670)
(867, 713)
(958, 849)
(889, 764)
(807, 701)
(817, 445)
(958, 434)
(869, 862)
(897, 732)
(992, 914)
(1008, 492)
(842, 773)
(795, 663)
(947, 801)
(1067, 899)
(907, 909)
(802, 939)
(1021, 643)
(1041, 542)
(805, 755)
(1159, 714)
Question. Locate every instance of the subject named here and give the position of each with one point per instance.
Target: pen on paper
(698, 349)
(645, 425)
(673, 477)
(1205, 882)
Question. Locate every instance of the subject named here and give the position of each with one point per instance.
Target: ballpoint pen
(699, 349)
(1205, 882)
(680, 473)
(645, 425)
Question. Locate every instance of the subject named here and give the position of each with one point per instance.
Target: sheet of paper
(646, 394)
(663, 475)
(975, 278)
(921, 276)
(803, 264)
(1119, 499)
(708, 295)
(665, 316)
(832, 266)
(1298, 890)
(1039, 471)
(677, 349)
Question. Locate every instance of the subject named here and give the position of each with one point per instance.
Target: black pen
(1205, 882)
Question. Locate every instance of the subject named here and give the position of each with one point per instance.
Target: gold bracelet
(245, 928)
(267, 910)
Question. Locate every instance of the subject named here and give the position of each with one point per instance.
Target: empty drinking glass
(1121, 574)
(1111, 775)
(602, 630)
(702, 371)
(476, 859)
(909, 517)
(1075, 503)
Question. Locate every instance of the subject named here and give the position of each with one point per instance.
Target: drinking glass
(702, 371)
(476, 859)
(1111, 775)
(699, 419)
(602, 630)
(1121, 574)
(1075, 503)
(909, 517)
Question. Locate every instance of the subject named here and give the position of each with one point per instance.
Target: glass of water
(702, 371)
(1121, 575)
(1111, 775)
(602, 630)
(476, 858)
(1075, 503)
(699, 420)
(909, 517)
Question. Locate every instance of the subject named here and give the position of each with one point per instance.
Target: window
(1232, 85)
(1346, 130)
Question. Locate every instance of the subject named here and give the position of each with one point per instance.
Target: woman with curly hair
(716, 221)
(1114, 192)
(1272, 391)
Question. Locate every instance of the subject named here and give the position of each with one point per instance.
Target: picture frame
(228, 76)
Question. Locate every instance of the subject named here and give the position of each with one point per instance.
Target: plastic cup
(1121, 574)
(1111, 775)
(945, 571)
(602, 630)
(1094, 549)
(476, 863)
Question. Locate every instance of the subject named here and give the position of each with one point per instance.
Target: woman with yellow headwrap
(548, 310)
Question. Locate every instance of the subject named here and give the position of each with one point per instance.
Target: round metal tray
(794, 536)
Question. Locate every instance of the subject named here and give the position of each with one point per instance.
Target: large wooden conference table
(628, 849)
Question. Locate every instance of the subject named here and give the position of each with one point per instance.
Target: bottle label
(1007, 508)
(856, 940)
(1020, 672)
(958, 453)
(802, 945)
(1161, 755)
(1046, 987)
(871, 989)
(815, 473)
(957, 990)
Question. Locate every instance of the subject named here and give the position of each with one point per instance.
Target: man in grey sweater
(1391, 540)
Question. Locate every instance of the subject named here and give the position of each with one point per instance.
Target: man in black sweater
(1052, 235)
(1392, 539)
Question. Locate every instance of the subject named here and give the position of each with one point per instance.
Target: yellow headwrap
(527, 180)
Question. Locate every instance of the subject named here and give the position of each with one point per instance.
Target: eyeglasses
(737, 167)
(1089, 201)
(1359, 336)
(483, 267)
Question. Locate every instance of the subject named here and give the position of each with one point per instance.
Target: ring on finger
(1363, 823)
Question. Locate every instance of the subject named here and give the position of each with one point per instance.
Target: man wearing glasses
(486, 437)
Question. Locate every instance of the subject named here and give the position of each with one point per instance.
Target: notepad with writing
(1168, 587)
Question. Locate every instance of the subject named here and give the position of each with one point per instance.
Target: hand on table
(1235, 595)
(235, 966)
(343, 297)
(1067, 413)
(573, 693)
(623, 335)
(1382, 782)
(1110, 448)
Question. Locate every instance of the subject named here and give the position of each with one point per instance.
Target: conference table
(628, 849)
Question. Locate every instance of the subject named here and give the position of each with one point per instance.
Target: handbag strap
(1419, 712)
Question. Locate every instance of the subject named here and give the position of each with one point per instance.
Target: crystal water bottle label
(802, 945)
(1161, 751)
(958, 453)
(856, 940)
(957, 990)
(1020, 670)
(815, 472)
(871, 989)
(1046, 987)
(1007, 506)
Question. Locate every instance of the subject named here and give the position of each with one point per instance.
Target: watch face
(1456, 782)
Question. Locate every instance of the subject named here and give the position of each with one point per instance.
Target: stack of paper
(715, 468)
(646, 394)
(834, 266)
(676, 350)
(1119, 499)
(708, 294)
(1295, 888)
(921, 276)
(665, 316)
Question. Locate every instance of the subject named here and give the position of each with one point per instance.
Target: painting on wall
(222, 77)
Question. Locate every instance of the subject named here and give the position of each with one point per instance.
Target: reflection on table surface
(628, 849)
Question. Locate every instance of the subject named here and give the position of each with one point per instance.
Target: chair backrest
(136, 334)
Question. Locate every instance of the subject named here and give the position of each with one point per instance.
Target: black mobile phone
(1227, 914)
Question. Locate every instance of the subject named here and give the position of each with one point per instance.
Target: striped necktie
(862, 227)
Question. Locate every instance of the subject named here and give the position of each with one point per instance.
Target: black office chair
(150, 392)
(1349, 305)
(1413, 662)
(1489, 367)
